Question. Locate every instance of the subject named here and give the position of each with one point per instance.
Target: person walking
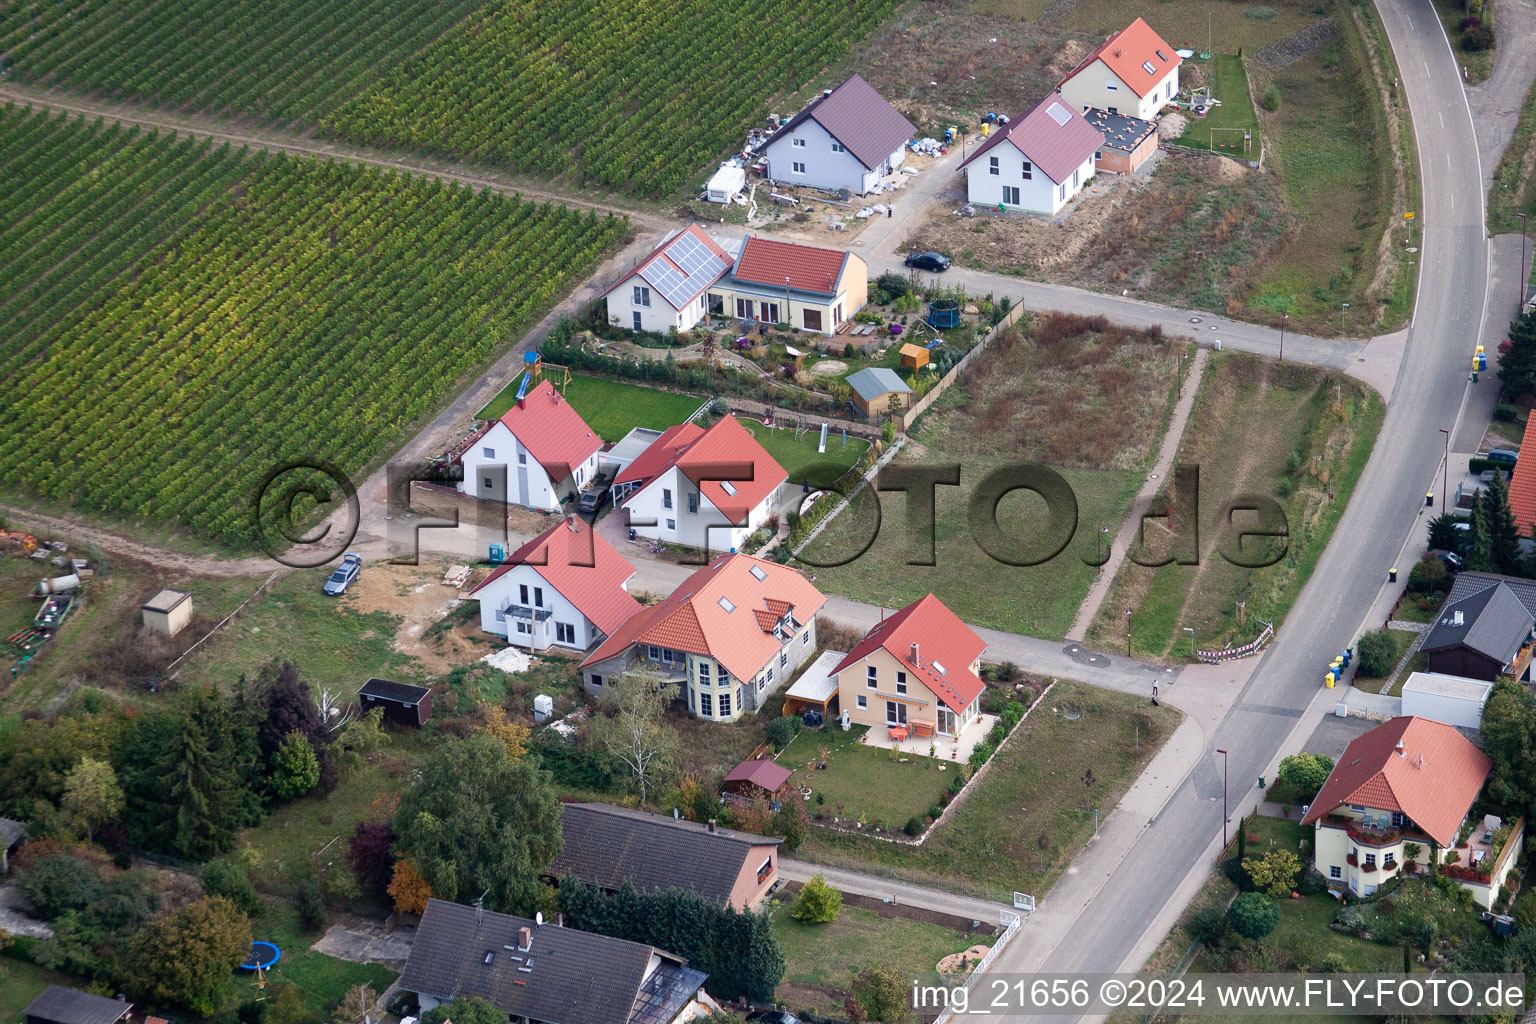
(1154, 694)
(890, 209)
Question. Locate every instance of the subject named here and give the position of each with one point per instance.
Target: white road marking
(1410, 20)
(1442, 119)
(1427, 71)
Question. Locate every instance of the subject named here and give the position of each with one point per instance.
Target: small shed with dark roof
(609, 847)
(761, 778)
(402, 702)
(58, 1005)
(12, 835)
(1128, 141)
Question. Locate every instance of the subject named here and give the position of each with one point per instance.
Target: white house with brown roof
(805, 286)
(707, 489)
(667, 288)
(1400, 799)
(1038, 162)
(728, 636)
(846, 138)
(1134, 72)
(538, 454)
(567, 587)
(917, 670)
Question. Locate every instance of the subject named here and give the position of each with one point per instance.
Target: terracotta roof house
(758, 778)
(1038, 162)
(708, 489)
(541, 453)
(1482, 634)
(1410, 781)
(1128, 141)
(1522, 485)
(667, 288)
(915, 671)
(546, 973)
(728, 637)
(609, 846)
(846, 138)
(59, 1005)
(567, 587)
(1134, 72)
(805, 286)
(873, 387)
(402, 703)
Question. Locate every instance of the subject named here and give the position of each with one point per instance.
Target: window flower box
(1352, 860)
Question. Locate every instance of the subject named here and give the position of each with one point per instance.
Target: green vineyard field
(634, 96)
(177, 319)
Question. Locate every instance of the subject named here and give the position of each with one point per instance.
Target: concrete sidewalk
(881, 888)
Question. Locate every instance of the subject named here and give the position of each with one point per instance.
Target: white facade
(639, 307)
(1453, 700)
(809, 155)
(677, 513)
(498, 468)
(522, 606)
(1004, 176)
(1097, 86)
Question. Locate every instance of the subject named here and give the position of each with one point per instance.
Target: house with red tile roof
(1522, 484)
(567, 587)
(727, 637)
(916, 670)
(845, 138)
(1134, 72)
(668, 287)
(539, 454)
(805, 286)
(1411, 782)
(1038, 162)
(701, 488)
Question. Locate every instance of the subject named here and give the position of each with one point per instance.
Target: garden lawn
(1035, 788)
(1217, 130)
(1403, 639)
(612, 408)
(1203, 27)
(870, 785)
(324, 980)
(21, 982)
(833, 954)
(799, 457)
(1411, 610)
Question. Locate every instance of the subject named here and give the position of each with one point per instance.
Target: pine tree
(1517, 365)
(1504, 536)
(1480, 538)
(204, 777)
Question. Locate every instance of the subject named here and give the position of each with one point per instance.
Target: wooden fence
(922, 404)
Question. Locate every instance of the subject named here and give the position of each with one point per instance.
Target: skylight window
(1058, 113)
(1146, 66)
(1162, 56)
(939, 667)
(757, 571)
(728, 487)
(725, 603)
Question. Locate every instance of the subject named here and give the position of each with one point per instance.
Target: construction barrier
(1217, 657)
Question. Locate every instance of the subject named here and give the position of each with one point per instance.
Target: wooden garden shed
(913, 357)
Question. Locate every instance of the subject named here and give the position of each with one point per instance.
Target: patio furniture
(922, 729)
(1478, 855)
(897, 732)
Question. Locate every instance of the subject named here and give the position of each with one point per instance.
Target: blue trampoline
(261, 957)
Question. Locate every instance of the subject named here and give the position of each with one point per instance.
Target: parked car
(773, 1017)
(344, 576)
(1503, 456)
(1451, 559)
(592, 498)
(933, 261)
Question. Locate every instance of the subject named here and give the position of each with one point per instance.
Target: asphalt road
(1429, 394)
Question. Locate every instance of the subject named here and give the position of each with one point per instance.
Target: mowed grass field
(223, 316)
(1220, 128)
(1289, 432)
(612, 408)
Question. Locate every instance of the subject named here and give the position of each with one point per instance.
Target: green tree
(1305, 773)
(473, 821)
(228, 879)
(465, 1010)
(1253, 915)
(631, 725)
(883, 993)
(92, 797)
(791, 821)
(1275, 872)
(287, 1005)
(1503, 534)
(295, 768)
(1479, 537)
(37, 757)
(1517, 365)
(56, 884)
(818, 902)
(1445, 533)
(1509, 739)
(187, 956)
(1429, 576)
(1376, 653)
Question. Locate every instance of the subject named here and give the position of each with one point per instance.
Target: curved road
(1137, 900)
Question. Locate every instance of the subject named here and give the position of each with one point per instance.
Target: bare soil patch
(420, 598)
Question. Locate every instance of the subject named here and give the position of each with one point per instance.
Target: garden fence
(1011, 923)
(921, 405)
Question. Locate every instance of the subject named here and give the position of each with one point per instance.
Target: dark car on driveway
(933, 261)
(592, 498)
(773, 1017)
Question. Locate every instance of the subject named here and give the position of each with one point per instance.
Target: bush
(1253, 915)
(227, 879)
(1237, 874)
(310, 897)
(1478, 39)
(1377, 654)
(914, 826)
(58, 884)
(1271, 99)
(782, 730)
(1208, 924)
(1429, 576)
(893, 284)
(936, 811)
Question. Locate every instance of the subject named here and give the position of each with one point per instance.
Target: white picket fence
(1011, 923)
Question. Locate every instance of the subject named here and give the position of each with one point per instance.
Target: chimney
(559, 919)
(826, 92)
(1457, 618)
(524, 939)
(1401, 751)
(1421, 760)
(914, 655)
(711, 825)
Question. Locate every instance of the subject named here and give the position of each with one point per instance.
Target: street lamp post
(1342, 307)
(1103, 532)
(1127, 632)
(1283, 318)
(1445, 471)
(1224, 816)
(1191, 631)
(1520, 299)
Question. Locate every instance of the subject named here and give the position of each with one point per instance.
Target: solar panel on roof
(695, 257)
(667, 280)
(1058, 113)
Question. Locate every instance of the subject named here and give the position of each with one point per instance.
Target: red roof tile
(692, 618)
(726, 447)
(1522, 483)
(1433, 782)
(554, 433)
(762, 772)
(941, 639)
(1056, 147)
(1126, 51)
(590, 577)
(767, 262)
